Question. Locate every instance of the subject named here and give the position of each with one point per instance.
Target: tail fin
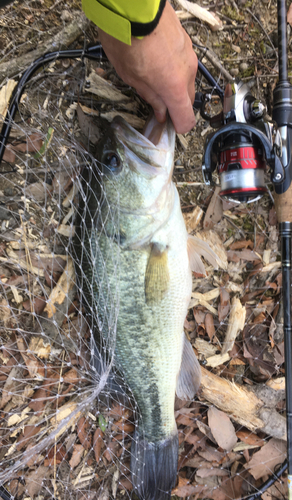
(154, 467)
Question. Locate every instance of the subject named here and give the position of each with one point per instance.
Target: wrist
(125, 19)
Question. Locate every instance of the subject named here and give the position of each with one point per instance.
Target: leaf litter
(233, 435)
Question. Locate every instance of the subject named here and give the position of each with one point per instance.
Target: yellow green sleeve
(124, 18)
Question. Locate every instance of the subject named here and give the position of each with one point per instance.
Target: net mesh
(64, 431)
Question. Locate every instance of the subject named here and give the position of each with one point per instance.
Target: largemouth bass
(136, 256)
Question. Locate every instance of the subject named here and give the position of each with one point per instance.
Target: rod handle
(283, 205)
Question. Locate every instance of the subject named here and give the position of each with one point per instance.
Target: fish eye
(112, 161)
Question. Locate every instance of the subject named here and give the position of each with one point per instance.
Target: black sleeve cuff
(144, 29)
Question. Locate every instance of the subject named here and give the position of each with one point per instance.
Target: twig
(60, 41)
(209, 54)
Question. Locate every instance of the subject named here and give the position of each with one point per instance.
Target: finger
(159, 107)
(182, 114)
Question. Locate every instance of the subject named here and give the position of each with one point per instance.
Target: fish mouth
(153, 148)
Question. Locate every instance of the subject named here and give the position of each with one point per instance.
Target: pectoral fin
(157, 275)
(189, 377)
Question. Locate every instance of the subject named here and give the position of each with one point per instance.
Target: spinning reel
(244, 145)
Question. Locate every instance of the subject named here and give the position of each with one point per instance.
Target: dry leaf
(12, 385)
(32, 364)
(214, 211)
(98, 443)
(83, 431)
(34, 480)
(39, 400)
(184, 489)
(124, 426)
(267, 458)
(76, 455)
(39, 191)
(113, 451)
(125, 484)
(211, 454)
(222, 428)
(32, 144)
(250, 438)
(36, 305)
(224, 306)
(9, 155)
(215, 471)
(209, 323)
(199, 316)
(71, 377)
(238, 245)
(28, 432)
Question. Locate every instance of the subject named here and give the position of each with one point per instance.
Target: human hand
(162, 68)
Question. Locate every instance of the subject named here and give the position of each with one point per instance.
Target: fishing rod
(282, 114)
(241, 149)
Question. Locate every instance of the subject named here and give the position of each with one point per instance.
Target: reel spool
(242, 169)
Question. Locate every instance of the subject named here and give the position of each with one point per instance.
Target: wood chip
(60, 291)
(217, 360)
(133, 120)
(214, 241)
(200, 13)
(193, 219)
(66, 230)
(100, 87)
(183, 141)
(235, 324)
(205, 348)
(242, 404)
(278, 384)
(5, 95)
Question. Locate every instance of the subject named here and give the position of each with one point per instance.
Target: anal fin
(157, 275)
(189, 377)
